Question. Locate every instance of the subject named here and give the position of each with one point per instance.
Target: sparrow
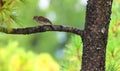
(42, 20)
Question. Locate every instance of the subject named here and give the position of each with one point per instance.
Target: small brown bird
(42, 20)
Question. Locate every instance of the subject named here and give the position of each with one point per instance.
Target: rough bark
(95, 35)
(40, 29)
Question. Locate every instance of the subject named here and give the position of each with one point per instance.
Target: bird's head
(35, 17)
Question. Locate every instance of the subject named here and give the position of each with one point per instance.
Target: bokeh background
(53, 51)
(68, 13)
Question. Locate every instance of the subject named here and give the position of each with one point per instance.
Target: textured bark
(40, 29)
(95, 35)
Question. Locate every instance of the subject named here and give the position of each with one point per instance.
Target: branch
(44, 28)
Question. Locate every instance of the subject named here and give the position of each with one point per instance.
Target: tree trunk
(95, 35)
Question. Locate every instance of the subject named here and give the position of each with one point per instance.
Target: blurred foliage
(8, 12)
(21, 55)
(59, 12)
(72, 55)
(113, 47)
(13, 58)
